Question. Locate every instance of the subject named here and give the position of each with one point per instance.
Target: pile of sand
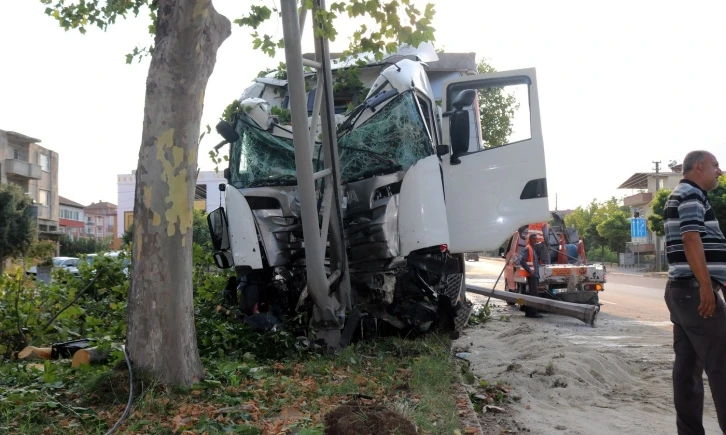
(574, 379)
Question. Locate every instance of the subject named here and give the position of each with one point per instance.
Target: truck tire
(456, 292)
(595, 300)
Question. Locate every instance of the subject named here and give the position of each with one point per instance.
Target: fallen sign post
(584, 312)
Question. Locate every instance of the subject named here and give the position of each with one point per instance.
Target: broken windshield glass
(393, 139)
(262, 159)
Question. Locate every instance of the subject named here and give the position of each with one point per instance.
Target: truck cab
(415, 196)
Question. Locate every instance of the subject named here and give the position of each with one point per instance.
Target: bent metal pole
(583, 312)
(328, 307)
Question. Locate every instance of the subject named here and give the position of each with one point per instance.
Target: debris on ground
(361, 418)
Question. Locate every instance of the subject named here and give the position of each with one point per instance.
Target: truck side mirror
(217, 222)
(223, 259)
(227, 131)
(459, 124)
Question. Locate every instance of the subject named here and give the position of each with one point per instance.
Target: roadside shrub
(93, 306)
(90, 306)
(596, 254)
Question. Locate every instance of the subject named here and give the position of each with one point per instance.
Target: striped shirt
(688, 209)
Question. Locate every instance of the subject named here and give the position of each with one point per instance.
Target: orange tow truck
(564, 271)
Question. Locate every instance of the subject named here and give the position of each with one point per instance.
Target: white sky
(622, 83)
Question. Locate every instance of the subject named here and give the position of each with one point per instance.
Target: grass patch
(242, 396)
(550, 369)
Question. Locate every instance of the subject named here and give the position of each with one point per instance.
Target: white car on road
(67, 263)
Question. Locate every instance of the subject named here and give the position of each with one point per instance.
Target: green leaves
(79, 15)
(657, 207)
(44, 314)
(82, 14)
(257, 16)
(602, 224)
(386, 36)
(16, 231)
(139, 53)
(389, 33)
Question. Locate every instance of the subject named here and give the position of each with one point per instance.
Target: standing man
(530, 269)
(696, 250)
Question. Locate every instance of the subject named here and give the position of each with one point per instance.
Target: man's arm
(691, 212)
(523, 261)
(693, 246)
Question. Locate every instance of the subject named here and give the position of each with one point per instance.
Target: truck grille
(452, 287)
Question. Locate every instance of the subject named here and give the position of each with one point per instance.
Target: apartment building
(35, 169)
(100, 219)
(72, 219)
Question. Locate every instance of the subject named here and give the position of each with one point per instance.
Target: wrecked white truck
(414, 198)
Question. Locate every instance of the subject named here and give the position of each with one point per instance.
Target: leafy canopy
(16, 228)
(657, 207)
(602, 224)
(496, 111)
(395, 22)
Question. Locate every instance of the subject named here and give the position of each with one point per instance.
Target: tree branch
(21, 336)
(78, 296)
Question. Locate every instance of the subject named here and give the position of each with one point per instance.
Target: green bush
(94, 306)
(597, 254)
(82, 245)
(90, 306)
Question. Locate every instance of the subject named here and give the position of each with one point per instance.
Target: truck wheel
(455, 289)
(595, 299)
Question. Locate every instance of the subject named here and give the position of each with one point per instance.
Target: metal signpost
(638, 233)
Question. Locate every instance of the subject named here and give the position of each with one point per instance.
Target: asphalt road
(636, 297)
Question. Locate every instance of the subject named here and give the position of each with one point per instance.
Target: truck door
(493, 190)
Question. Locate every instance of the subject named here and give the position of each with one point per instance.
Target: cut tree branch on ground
(31, 353)
(91, 355)
(78, 296)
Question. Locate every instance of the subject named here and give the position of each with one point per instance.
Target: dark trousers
(532, 284)
(699, 344)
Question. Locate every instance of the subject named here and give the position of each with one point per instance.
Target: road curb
(657, 274)
(625, 274)
(467, 414)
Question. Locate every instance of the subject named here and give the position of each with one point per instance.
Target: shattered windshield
(393, 139)
(262, 159)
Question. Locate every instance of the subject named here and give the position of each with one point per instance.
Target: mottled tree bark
(161, 336)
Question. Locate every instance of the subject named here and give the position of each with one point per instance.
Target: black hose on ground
(131, 394)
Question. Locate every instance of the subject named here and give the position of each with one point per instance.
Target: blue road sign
(638, 230)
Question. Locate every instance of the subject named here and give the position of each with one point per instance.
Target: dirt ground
(574, 379)
(356, 418)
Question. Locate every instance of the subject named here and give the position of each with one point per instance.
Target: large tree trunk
(161, 336)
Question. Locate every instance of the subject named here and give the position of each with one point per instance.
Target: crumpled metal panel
(371, 218)
(279, 227)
